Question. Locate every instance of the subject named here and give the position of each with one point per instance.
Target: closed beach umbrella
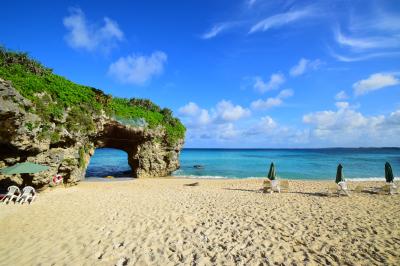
(388, 173)
(271, 173)
(24, 168)
(339, 174)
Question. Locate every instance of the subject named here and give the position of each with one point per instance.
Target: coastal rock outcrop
(24, 136)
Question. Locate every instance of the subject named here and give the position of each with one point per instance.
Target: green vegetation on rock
(60, 101)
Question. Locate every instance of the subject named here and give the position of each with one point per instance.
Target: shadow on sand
(192, 184)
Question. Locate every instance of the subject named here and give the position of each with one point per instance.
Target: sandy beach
(218, 222)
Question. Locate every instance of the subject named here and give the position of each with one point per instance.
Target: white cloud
(369, 35)
(214, 31)
(345, 126)
(266, 130)
(204, 117)
(346, 58)
(381, 20)
(218, 28)
(194, 116)
(341, 95)
(374, 82)
(285, 93)
(229, 112)
(138, 69)
(189, 109)
(84, 35)
(223, 112)
(226, 131)
(272, 101)
(282, 19)
(274, 82)
(342, 105)
(266, 125)
(303, 66)
(266, 104)
(366, 42)
(217, 123)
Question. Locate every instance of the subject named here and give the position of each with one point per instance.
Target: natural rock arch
(149, 154)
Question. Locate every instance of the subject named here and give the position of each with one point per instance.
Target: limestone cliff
(65, 138)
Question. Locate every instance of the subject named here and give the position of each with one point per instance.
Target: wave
(359, 179)
(354, 179)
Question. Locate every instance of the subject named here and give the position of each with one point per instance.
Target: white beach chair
(332, 189)
(13, 193)
(338, 189)
(359, 188)
(388, 188)
(284, 185)
(343, 188)
(271, 186)
(28, 195)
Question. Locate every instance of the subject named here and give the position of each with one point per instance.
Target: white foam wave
(354, 179)
(360, 179)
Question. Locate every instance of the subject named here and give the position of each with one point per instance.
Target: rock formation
(23, 137)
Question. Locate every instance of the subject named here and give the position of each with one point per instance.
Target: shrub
(53, 95)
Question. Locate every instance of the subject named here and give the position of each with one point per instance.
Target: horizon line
(314, 148)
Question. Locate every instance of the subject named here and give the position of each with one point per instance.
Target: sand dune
(218, 222)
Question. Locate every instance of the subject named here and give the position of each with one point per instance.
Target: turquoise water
(244, 163)
(106, 162)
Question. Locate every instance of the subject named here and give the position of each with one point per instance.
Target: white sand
(219, 222)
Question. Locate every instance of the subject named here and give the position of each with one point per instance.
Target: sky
(239, 74)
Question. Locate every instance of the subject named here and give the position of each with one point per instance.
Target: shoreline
(357, 179)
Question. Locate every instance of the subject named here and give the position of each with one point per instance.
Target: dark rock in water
(198, 166)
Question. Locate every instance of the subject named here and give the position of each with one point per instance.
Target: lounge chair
(338, 188)
(13, 193)
(28, 195)
(359, 188)
(284, 185)
(389, 188)
(343, 188)
(332, 189)
(271, 186)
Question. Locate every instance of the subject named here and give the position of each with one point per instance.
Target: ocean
(311, 164)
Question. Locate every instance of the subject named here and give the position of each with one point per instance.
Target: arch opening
(109, 162)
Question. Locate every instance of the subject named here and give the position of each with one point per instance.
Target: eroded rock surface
(23, 138)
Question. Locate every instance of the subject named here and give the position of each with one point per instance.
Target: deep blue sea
(244, 163)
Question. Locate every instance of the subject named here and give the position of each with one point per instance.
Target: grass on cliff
(54, 96)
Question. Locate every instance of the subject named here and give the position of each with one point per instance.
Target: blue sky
(248, 73)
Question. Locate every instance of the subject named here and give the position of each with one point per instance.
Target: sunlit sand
(166, 222)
